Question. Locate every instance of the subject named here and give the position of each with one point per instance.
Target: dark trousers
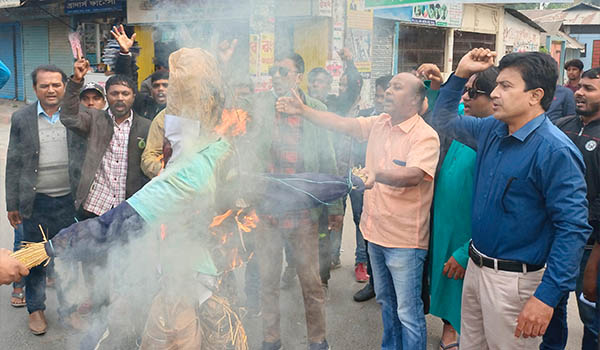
(51, 214)
(557, 333)
(16, 246)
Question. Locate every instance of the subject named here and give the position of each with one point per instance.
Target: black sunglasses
(473, 93)
(283, 71)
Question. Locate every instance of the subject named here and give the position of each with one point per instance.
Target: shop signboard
(360, 35)
(440, 14)
(73, 7)
(372, 4)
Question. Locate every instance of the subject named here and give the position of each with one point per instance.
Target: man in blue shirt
(529, 216)
(563, 104)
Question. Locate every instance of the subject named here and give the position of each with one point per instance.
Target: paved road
(351, 326)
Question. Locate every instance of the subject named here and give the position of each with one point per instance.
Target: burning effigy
(203, 204)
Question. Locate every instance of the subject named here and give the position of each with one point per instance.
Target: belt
(503, 265)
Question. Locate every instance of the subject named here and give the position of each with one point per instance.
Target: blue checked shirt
(529, 198)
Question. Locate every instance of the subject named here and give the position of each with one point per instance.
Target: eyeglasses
(283, 71)
(473, 93)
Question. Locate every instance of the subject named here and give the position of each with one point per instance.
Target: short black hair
(120, 79)
(486, 80)
(298, 60)
(47, 68)
(383, 81)
(319, 70)
(159, 75)
(593, 73)
(574, 63)
(538, 70)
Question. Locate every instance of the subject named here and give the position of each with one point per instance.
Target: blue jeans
(360, 254)
(17, 245)
(398, 275)
(557, 333)
(52, 214)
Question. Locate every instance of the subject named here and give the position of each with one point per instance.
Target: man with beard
(115, 140)
(147, 106)
(584, 130)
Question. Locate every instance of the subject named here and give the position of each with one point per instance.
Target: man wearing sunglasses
(288, 144)
(451, 229)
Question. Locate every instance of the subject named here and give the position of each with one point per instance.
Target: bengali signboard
(440, 14)
(401, 3)
(360, 34)
(73, 7)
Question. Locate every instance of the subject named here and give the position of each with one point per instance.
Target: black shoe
(368, 292)
(319, 346)
(272, 346)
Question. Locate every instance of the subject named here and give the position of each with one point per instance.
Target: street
(350, 325)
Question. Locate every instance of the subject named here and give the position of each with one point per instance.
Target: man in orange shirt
(402, 155)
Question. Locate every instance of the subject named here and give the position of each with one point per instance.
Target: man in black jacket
(584, 130)
(38, 188)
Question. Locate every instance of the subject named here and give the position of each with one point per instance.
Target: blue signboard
(73, 7)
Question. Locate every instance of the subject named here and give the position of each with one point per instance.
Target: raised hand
(290, 105)
(431, 72)
(226, 50)
(475, 61)
(80, 68)
(121, 37)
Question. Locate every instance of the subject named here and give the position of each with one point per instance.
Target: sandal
(20, 297)
(449, 346)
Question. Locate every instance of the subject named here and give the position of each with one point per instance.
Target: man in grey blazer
(38, 188)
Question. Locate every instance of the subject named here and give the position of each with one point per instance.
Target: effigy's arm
(89, 237)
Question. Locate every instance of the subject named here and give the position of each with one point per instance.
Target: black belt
(503, 265)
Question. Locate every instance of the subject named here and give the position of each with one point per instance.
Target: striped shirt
(108, 188)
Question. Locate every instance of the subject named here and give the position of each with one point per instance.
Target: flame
(248, 222)
(218, 220)
(233, 122)
(245, 222)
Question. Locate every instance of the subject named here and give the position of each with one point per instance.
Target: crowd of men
(482, 201)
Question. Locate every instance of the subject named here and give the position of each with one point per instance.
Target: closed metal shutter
(35, 52)
(11, 53)
(60, 51)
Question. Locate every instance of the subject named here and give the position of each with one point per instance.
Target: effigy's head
(195, 87)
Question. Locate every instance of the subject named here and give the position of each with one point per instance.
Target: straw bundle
(222, 327)
(33, 254)
(195, 87)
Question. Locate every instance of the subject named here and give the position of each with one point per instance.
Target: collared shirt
(51, 119)
(108, 188)
(287, 158)
(398, 217)
(529, 198)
